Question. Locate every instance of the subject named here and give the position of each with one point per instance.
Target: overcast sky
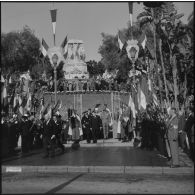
(80, 20)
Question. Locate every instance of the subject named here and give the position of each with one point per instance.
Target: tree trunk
(163, 68)
(156, 68)
(174, 71)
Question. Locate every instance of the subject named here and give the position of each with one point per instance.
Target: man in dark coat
(48, 137)
(58, 129)
(25, 127)
(86, 126)
(96, 125)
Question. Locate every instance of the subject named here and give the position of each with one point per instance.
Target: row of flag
(138, 100)
(64, 46)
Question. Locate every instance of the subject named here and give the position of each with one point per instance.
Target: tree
(19, 50)
(95, 68)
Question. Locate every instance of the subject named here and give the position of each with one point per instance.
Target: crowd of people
(51, 131)
(153, 129)
(92, 84)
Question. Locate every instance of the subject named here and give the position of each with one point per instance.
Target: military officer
(173, 137)
(106, 120)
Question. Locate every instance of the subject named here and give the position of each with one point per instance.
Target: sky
(79, 20)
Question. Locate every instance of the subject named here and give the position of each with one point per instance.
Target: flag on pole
(143, 93)
(29, 103)
(53, 19)
(44, 47)
(132, 106)
(121, 40)
(4, 97)
(131, 12)
(64, 45)
(49, 113)
(10, 80)
(2, 79)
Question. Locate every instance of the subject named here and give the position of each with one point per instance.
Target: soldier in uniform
(173, 137)
(96, 125)
(48, 137)
(86, 126)
(106, 120)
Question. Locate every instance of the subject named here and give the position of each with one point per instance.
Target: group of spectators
(51, 132)
(167, 131)
(91, 84)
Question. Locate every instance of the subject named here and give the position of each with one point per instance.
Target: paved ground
(96, 183)
(106, 167)
(104, 153)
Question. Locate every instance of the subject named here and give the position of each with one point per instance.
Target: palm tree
(152, 16)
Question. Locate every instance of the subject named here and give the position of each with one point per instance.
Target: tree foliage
(19, 50)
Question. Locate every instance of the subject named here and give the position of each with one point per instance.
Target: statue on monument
(75, 66)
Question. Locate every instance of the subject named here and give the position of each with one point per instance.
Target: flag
(2, 79)
(42, 108)
(121, 40)
(46, 108)
(53, 19)
(64, 45)
(143, 93)
(132, 106)
(151, 93)
(56, 106)
(10, 80)
(4, 96)
(155, 99)
(29, 103)
(142, 40)
(49, 113)
(131, 12)
(44, 47)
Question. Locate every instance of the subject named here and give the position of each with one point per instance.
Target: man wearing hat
(57, 129)
(48, 137)
(96, 125)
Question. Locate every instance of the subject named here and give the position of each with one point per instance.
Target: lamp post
(55, 60)
(132, 52)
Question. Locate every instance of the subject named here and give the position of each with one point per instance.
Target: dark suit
(86, 122)
(58, 129)
(96, 124)
(48, 131)
(25, 128)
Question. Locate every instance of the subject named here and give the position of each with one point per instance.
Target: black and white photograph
(97, 97)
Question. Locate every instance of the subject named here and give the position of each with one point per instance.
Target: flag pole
(54, 39)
